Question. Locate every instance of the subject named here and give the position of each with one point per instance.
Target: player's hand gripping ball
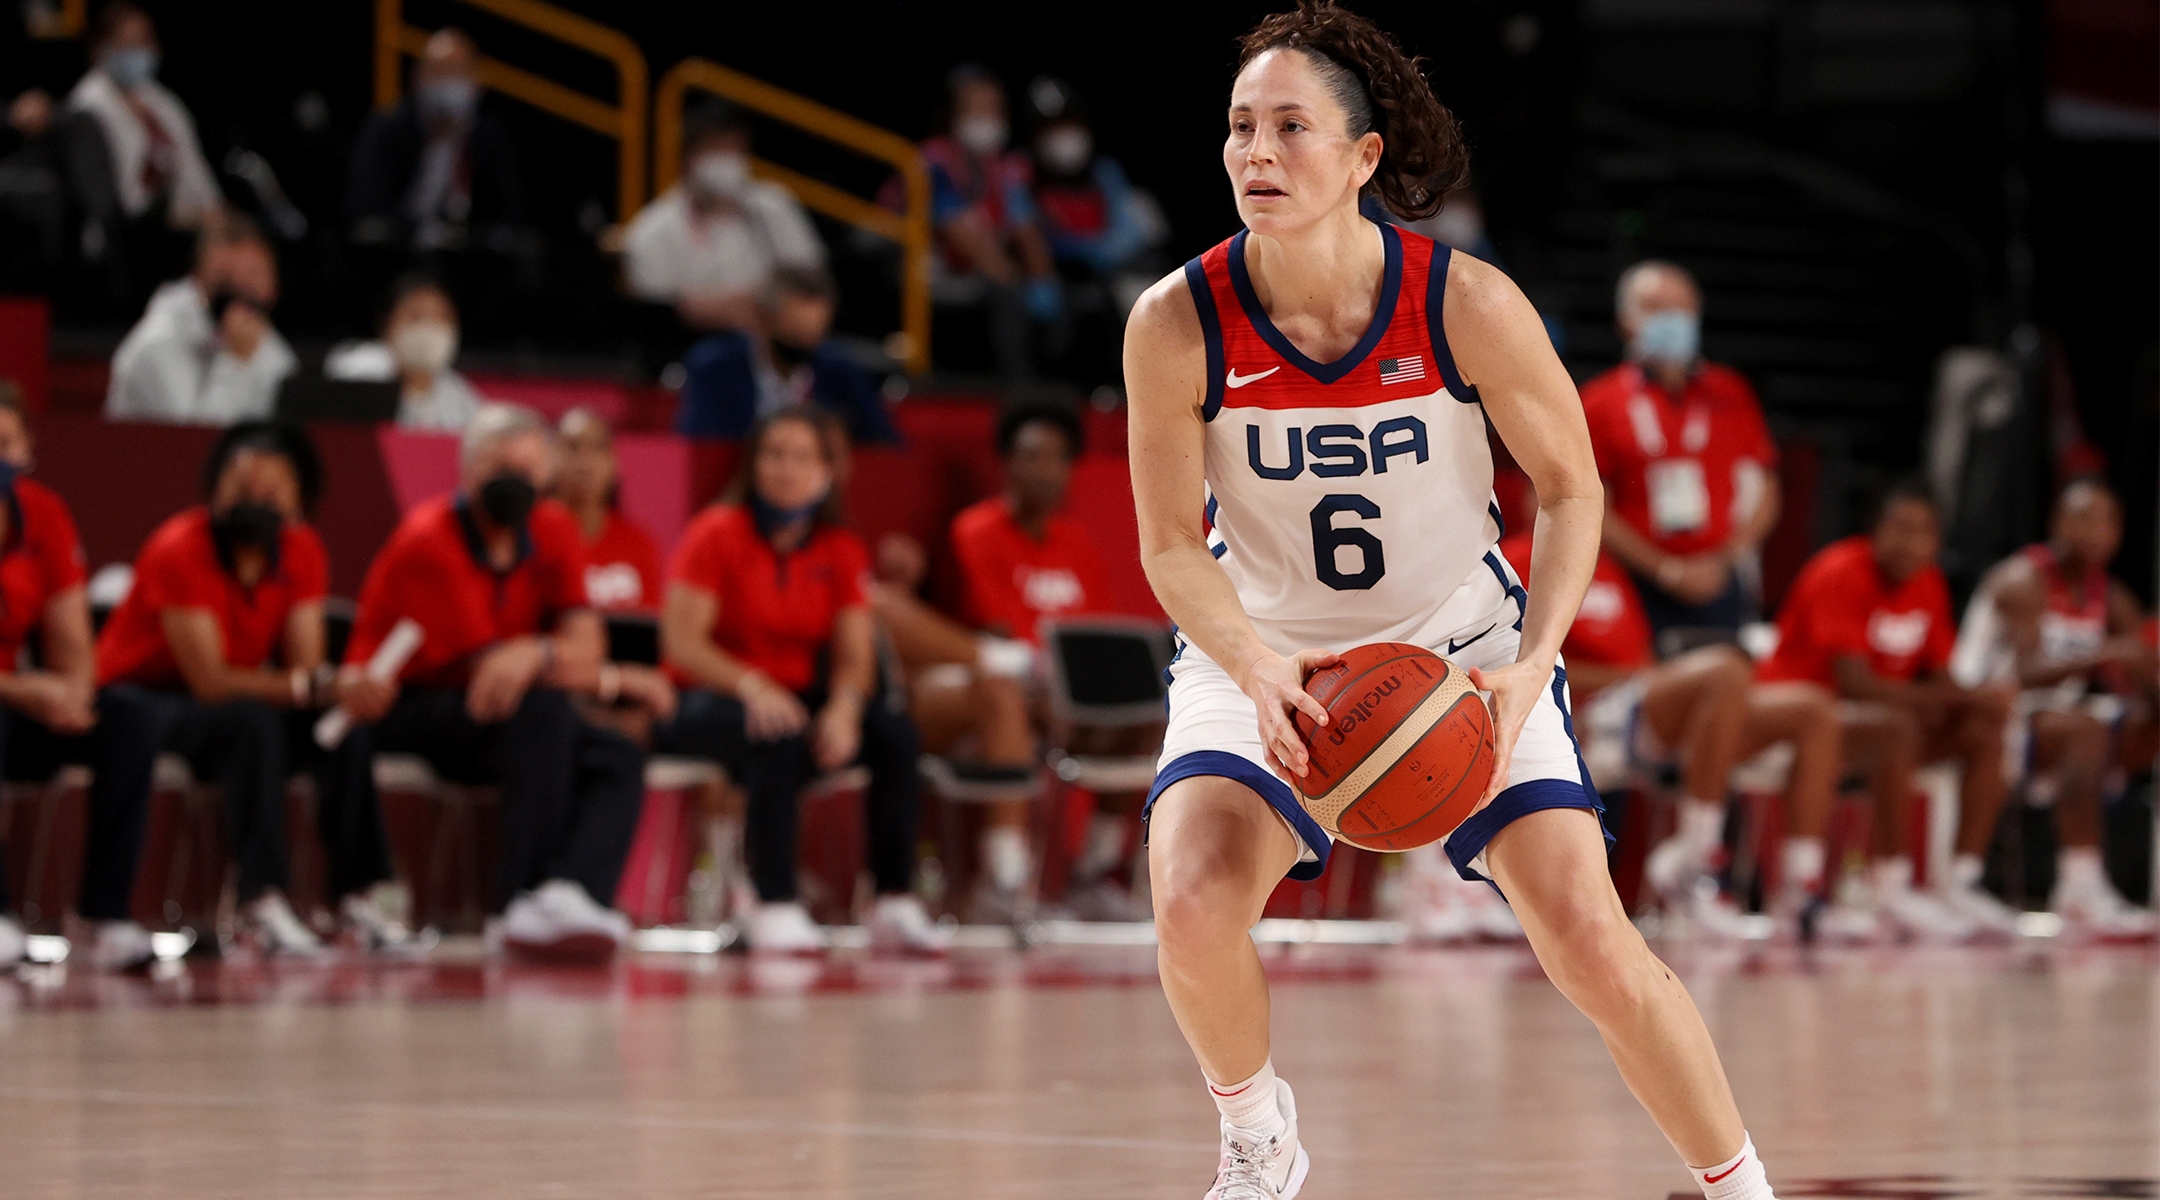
(1406, 753)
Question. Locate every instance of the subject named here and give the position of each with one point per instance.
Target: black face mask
(248, 525)
(508, 500)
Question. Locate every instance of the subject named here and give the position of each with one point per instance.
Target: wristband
(302, 690)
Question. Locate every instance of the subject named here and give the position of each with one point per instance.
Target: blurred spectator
(768, 625)
(48, 707)
(159, 176)
(419, 342)
(437, 171)
(494, 577)
(1098, 226)
(212, 656)
(1688, 463)
(784, 359)
(204, 352)
(992, 253)
(622, 562)
(34, 198)
(1869, 618)
(2051, 622)
(710, 244)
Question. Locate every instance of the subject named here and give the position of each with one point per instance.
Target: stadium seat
(1105, 673)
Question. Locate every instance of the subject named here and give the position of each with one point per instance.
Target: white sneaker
(121, 946)
(1436, 911)
(1846, 923)
(1924, 918)
(12, 943)
(783, 927)
(1709, 913)
(278, 930)
(575, 908)
(1254, 1167)
(2102, 912)
(901, 923)
(377, 933)
(1990, 917)
(1673, 865)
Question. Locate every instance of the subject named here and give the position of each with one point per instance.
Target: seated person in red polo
(1689, 467)
(1021, 557)
(495, 579)
(768, 628)
(1869, 618)
(622, 562)
(215, 656)
(1700, 714)
(48, 712)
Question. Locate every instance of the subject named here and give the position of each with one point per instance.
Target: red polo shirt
(1009, 581)
(1675, 465)
(777, 611)
(622, 567)
(42, 558)
(1610, 629)
(433, 571)
(179, 568)
(1843, 604)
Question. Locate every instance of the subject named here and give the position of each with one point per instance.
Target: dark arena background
(332, 329)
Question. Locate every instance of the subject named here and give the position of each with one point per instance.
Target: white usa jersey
(1348, 501)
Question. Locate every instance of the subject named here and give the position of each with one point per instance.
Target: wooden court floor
(1056, 1073)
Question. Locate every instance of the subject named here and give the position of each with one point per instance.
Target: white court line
(589, 1118)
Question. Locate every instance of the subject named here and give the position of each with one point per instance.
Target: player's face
(530, 454)
(588, 461)
(1289, 155)
(2089, 524)
(791, 471)
(14, 439)
(1907, 538)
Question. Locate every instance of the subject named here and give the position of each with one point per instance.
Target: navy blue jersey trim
(1514, 590)
(1249, 300)
(1203, 298)
(1239, 769)
(1435, 298)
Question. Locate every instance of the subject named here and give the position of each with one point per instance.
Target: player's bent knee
(1201, 902)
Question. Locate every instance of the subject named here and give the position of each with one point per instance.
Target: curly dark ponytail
(1422, 156)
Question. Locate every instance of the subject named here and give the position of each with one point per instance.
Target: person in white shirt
(204, 352)
(709, 244)
(156, 158)
(419, 342)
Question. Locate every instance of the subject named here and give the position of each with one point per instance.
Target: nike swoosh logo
(1727, 1171)
(1233, 379)
(1454, 645)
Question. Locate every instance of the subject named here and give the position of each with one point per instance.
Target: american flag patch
(1402, 370)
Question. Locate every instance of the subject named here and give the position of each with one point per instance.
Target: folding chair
(1104, 673)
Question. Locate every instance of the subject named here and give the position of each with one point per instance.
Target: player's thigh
(1216, 850)
(1877, 733)
(1551, 866)
(2067, 736)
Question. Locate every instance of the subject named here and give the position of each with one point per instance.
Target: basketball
(1407, 751)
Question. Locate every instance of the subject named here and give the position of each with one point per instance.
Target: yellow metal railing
(624, 121)
(910, 227)
(65, 21)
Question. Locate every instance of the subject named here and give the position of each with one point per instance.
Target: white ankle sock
(1104, 846)
(1740, 1177)
(1702, 824)
(1005, 857)
(1893, 875)
(1250, 1104)
(1803, 860)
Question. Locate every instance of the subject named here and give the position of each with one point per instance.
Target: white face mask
(1066, 149)
(721, 174)
(981, 135)
(425, 346)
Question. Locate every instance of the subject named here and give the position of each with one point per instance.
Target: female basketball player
(1308, 407)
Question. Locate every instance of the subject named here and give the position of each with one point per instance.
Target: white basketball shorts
(1215, 730)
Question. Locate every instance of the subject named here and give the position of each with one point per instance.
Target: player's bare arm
(1505, 353)
(1165, 379)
